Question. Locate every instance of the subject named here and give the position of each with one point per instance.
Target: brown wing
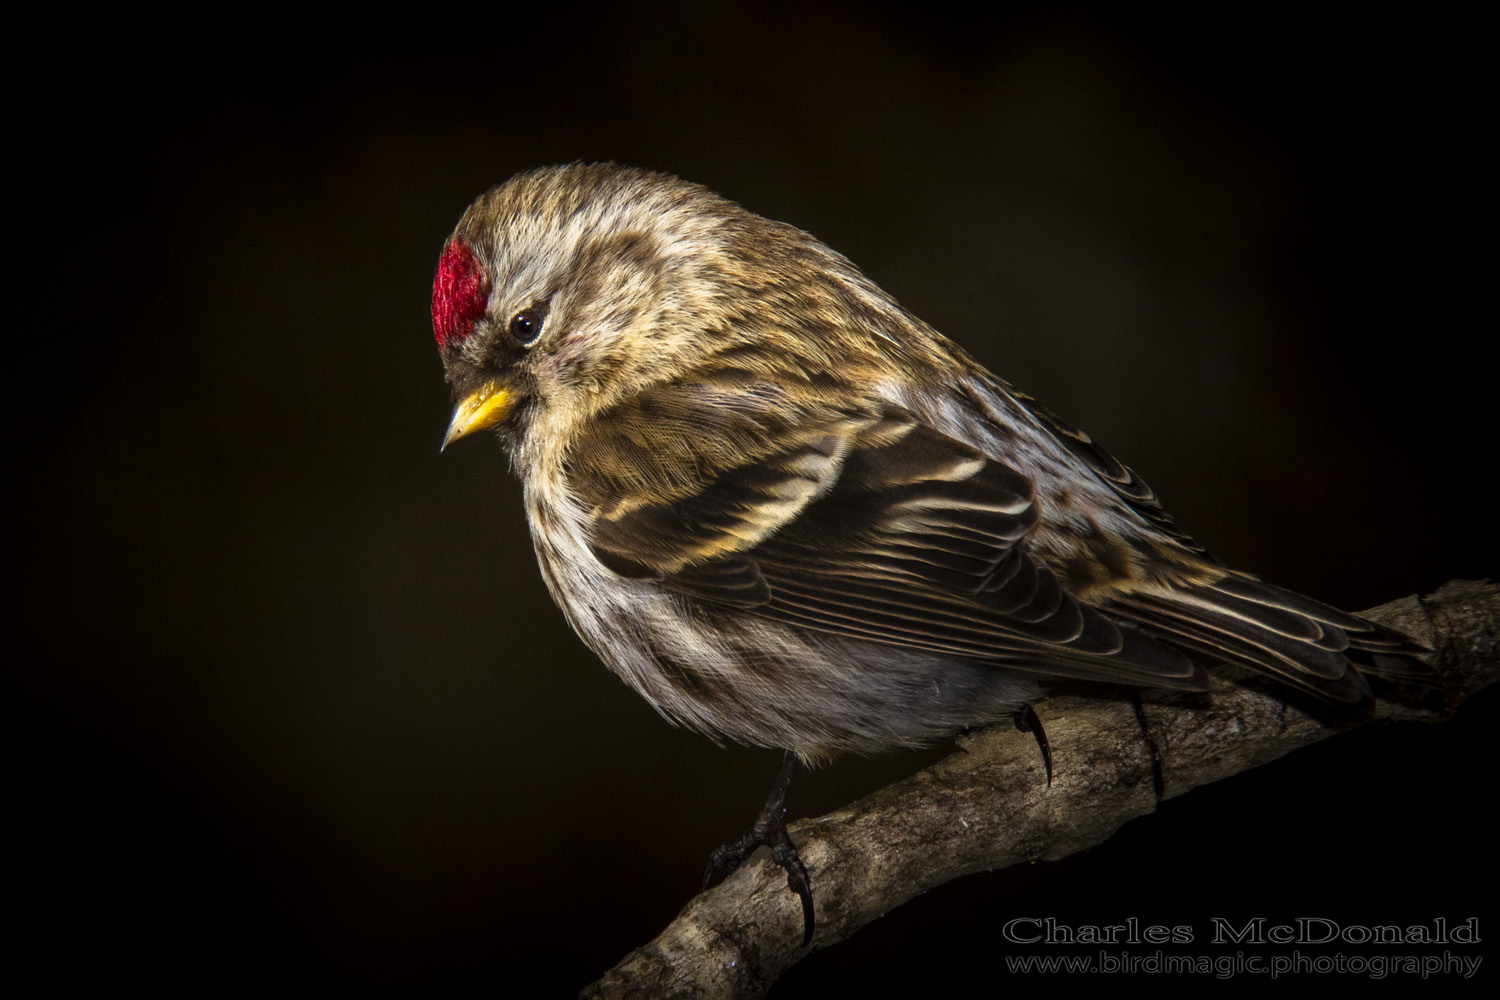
(882, 529)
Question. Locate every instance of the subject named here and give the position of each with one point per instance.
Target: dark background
(290, 702)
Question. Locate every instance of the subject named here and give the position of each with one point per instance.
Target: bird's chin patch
(485, 407)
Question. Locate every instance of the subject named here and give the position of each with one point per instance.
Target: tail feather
(1295, 639)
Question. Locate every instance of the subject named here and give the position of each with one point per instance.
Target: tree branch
(988, 806)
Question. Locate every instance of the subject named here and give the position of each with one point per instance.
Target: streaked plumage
(790, 513)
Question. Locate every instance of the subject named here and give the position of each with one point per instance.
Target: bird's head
(567, 288)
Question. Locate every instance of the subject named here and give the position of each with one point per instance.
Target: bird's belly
(731, 674)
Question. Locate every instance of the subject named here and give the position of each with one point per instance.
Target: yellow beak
(484, 407)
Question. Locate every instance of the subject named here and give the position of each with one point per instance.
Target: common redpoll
(791, 514)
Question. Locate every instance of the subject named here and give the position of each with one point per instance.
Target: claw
(769, 829)
(1027, 722)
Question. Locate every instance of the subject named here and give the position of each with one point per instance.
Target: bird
(790, 514)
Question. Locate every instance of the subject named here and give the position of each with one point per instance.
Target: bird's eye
(526, 326)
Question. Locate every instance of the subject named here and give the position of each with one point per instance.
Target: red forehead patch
(460, 291)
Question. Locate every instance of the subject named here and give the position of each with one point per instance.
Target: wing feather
(873, 526)
(888, 532)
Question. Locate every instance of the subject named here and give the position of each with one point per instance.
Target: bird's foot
(1027, 722)
(769, 829)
